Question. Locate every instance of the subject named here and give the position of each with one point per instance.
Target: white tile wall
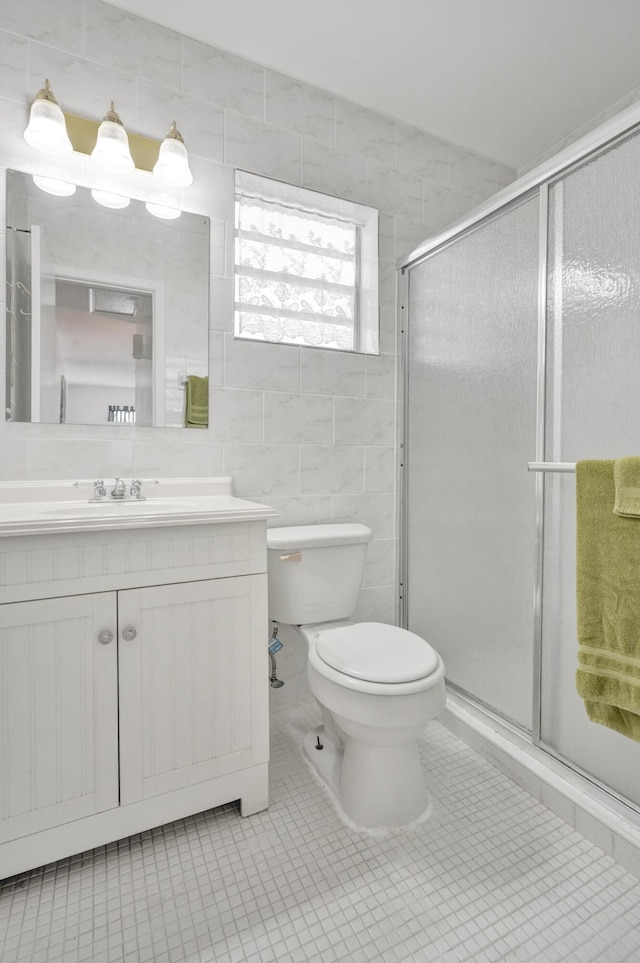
(373, 509)
(300, 108)
(379, 469)
(298, 419)
(237, 414)
(133, 46)
(423, 154)
(220, 78)
(32, 19)
(330, 469)
(254, 146)
(362, 421)
(388, 186)
(310, 431)
(81, 86)
(380, 558)
(381, 376)
(333, 373)
(259, 471)
(13, 67)
(333, 171)
(154, 104)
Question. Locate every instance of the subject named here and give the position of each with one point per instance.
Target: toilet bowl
(377, 685)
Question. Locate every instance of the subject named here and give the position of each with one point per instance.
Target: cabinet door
(193, 683)
(58, 712)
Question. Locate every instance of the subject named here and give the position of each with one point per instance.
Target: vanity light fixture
(47, 129)
(160, 205)
(111, 149)
(112, 144)
(172, 166)
(53, 185)
(108, 199)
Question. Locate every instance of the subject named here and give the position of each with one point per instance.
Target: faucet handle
(99, 491)
(136, 489)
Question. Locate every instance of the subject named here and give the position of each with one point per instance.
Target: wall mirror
(107, 310)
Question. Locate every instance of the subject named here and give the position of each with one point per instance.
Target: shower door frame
(535, 183)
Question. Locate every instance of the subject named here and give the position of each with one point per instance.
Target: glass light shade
(108, 199)
(53, 185)
(47, 128)
(161, 206)
(172, 166)
(112, 144)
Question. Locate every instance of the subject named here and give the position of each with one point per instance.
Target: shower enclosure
(522, 345)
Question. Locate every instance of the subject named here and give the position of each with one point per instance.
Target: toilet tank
(315, 571)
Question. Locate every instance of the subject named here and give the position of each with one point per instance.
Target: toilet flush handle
(292, 557)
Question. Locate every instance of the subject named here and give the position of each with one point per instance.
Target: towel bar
(565, 466)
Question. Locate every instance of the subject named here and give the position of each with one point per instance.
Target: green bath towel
(608, 597)
(626, 475)
(197, 402)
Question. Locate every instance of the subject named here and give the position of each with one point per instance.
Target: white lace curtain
(295, 275)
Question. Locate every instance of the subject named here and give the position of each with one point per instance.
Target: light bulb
(53, 185)
(112, 144)
(47, 128)
(172, 166)
(161, 205)
(108, 199)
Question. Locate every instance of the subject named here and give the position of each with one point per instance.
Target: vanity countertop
(36, 508)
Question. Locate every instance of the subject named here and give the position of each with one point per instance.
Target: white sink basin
(184, 502)
(132, 506)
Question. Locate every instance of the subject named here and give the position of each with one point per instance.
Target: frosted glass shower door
(593, 390)
(471, 359)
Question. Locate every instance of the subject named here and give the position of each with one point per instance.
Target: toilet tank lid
(317, 536)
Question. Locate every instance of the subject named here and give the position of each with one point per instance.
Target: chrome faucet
(99, 491)
(136, 490)
(119, 490)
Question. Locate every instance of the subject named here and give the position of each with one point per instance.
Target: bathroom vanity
(133, 662)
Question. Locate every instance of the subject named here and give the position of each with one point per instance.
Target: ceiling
(508, 78)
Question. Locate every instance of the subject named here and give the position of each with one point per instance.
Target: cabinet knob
(129, 633)
(105, 637)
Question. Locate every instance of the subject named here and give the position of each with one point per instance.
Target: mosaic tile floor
(492, 876)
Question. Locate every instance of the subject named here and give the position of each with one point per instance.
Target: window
(306, 267)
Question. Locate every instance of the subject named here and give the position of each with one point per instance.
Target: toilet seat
(373, 652)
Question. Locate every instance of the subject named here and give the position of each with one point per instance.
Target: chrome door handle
(105, 637)
(129, 633)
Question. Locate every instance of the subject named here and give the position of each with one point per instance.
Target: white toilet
(377, 685)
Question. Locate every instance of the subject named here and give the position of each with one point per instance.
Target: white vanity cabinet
(133, 682)
(58, 713)
(187, 705)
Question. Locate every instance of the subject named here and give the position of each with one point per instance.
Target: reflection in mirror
(107, 312)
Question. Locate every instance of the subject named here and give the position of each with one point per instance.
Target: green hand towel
(608, 597)
(626, 474)
(197, 402)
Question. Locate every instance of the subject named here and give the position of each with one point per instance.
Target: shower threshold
(606, 820)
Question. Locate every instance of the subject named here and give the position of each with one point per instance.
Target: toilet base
(327, 761)
(374, 788)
